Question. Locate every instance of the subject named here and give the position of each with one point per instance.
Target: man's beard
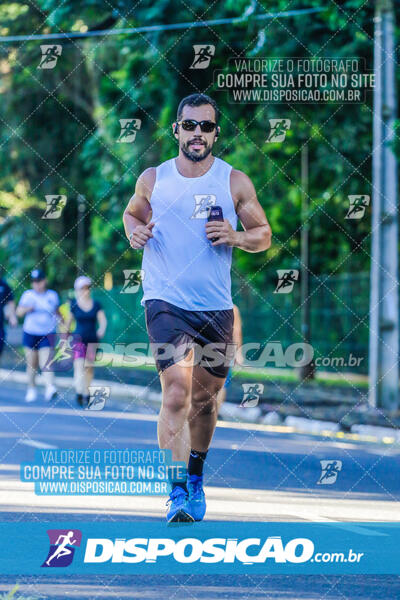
(195, 156)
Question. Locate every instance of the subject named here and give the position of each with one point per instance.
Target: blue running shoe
(197, 499)
(178, 509)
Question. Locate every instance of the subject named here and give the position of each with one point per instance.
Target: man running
(187, 283)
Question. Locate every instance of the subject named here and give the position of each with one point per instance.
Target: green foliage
(60, 131)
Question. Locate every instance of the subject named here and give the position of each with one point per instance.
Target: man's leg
(169, 330)
(202, 420)
(173, 428)
(204, 408)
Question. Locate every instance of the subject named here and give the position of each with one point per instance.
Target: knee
(176, 397)
(205, 401)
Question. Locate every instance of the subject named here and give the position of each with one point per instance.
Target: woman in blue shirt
(91, 324)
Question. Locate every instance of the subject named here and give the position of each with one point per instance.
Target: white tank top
(180, 265)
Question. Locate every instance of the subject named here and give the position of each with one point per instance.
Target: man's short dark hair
(197, 100)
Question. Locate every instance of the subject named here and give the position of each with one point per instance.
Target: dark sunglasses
(191, 124)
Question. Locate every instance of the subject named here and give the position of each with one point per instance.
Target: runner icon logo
(251, 394)
(63, 543)
(329, 471)
(129, 127)
(61, 359)
(50, 55)
(203, 54)
(357, 206)
(286, 280)
(279, 127)
(133, 279)
(54, 206)
(203, 204)
(97, 397)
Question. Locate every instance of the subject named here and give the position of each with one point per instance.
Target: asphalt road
(253, 473)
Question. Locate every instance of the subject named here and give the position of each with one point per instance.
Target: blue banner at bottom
(32, 548)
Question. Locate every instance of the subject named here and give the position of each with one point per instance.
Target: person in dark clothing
(7, 310)
(91, 324)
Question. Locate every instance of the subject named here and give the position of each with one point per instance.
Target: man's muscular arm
(137, 214)
(256, 236)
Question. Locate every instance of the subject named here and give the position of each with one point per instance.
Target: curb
(365, 433)
(234, 412)
(124, 391)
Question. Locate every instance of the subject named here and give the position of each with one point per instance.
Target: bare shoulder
(241, 186)
(145, 182)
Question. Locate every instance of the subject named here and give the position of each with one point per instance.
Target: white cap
(81, 282)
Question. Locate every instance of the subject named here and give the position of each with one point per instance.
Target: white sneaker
(31, 394)
(50, 393)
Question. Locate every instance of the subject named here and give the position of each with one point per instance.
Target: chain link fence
(339, 318)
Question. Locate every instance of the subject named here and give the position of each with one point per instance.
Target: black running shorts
(173, 331)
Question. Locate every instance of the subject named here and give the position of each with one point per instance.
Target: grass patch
(291, 378)
(260, 375)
